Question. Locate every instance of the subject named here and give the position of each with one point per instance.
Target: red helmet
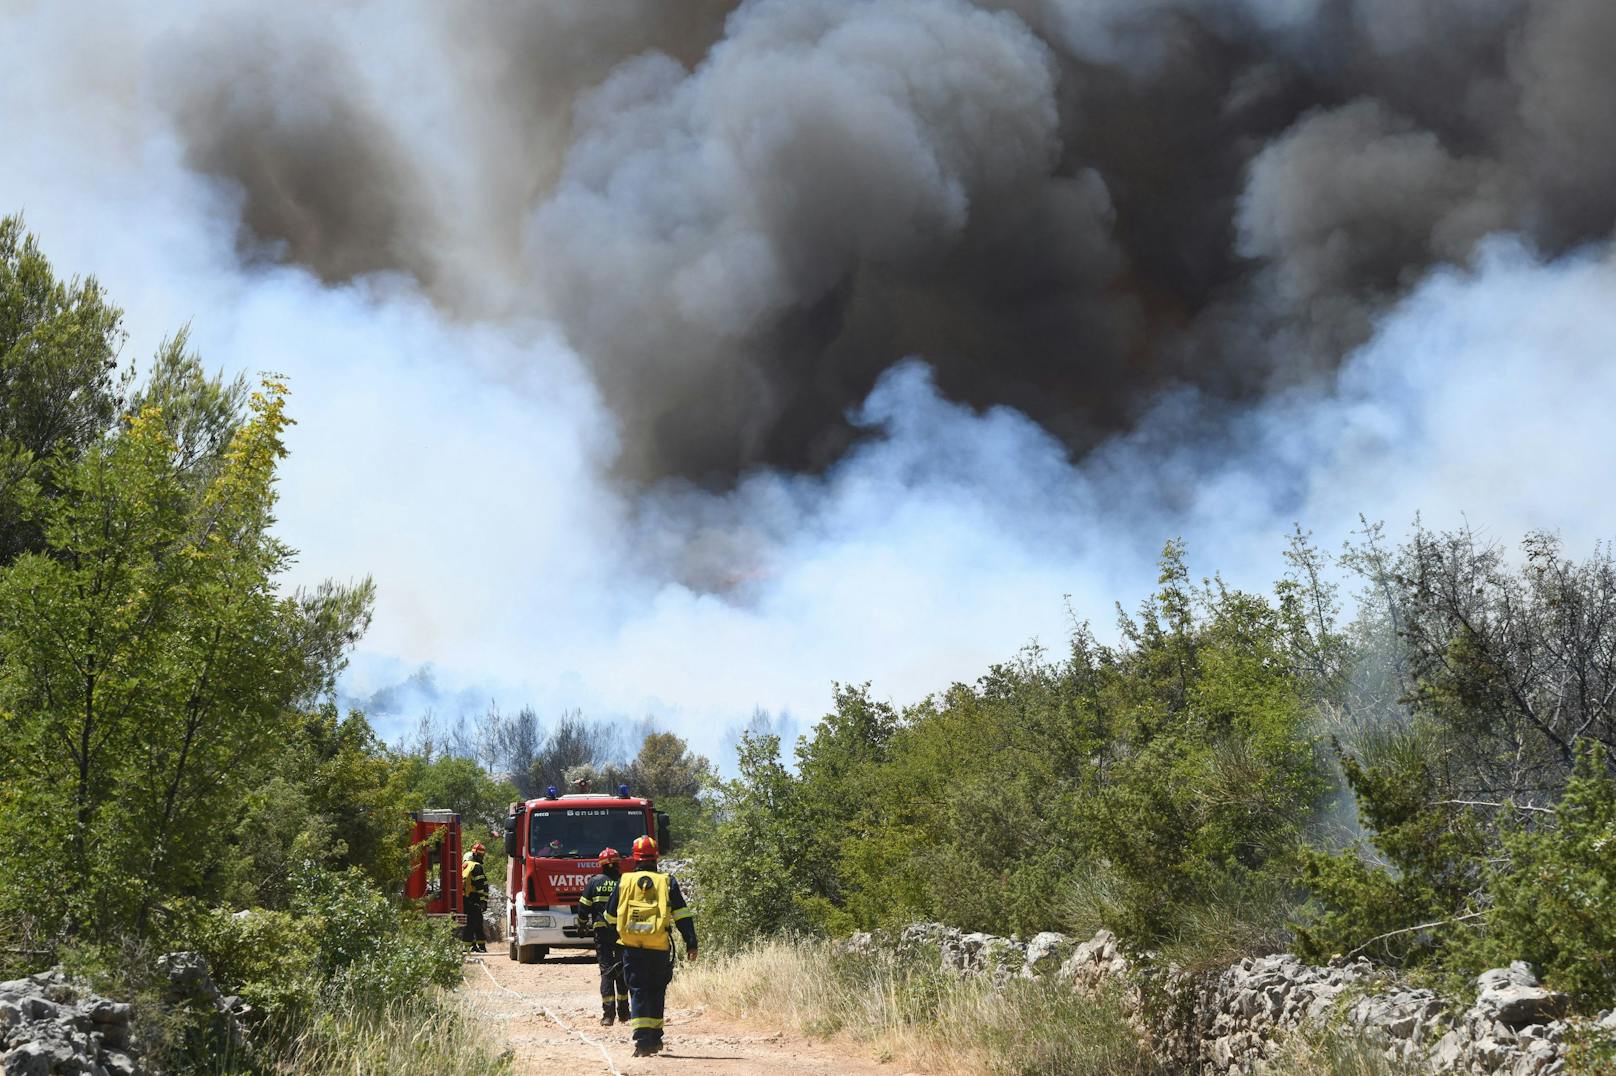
(608, 856)
(645, 849)
(478, 847)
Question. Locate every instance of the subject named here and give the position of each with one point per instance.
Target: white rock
(1047, 951)
(1448, 1052)
(1517, 1005)
(1517, 974)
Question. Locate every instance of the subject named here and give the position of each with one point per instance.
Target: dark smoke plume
(323, 181)
(743, 214)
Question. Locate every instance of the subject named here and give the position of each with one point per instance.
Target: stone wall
(1515, 1025)
(49, 1024)
(52, 1025)
(1239, 1019)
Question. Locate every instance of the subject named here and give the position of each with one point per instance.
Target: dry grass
(903, 1011)
(428, 1036)
(944, 1024)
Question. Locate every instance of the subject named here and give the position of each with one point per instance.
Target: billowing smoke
(689, 355)
(742, 214)
(322, 183)
(748, 246)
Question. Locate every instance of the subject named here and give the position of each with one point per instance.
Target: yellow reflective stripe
(683, 913)
(646, 1022)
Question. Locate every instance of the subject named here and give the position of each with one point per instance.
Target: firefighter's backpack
(644, 920)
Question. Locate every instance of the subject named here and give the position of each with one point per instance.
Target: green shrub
(1426, 869)
(172, 1038)
(1461, 893)
(268, 958)
(1590, 1049)
(1144, 786)
(1554, 896)
(369, 948)
(746, 871)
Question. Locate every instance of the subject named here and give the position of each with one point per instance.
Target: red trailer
(435, 856)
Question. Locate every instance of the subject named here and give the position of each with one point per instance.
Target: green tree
(1425, 880)
(1498, 672)
(676, 778)
(333, 795)
(59, 343)
(745, 871)
(1214, 775)
(1469, 885)
(836, 767)
(1553, 897)
(666, 768)
(149, 665)
(460, 785)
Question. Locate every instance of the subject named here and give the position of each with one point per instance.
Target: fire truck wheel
(532, 954)
(514, 955)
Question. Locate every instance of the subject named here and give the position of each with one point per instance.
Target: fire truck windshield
(581, 832)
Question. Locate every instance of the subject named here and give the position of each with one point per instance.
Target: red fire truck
(553, 845)
(434, 877)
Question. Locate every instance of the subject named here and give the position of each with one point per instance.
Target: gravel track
(550, 1015)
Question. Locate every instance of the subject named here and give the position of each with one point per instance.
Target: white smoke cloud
(950, 540)
(467, 463)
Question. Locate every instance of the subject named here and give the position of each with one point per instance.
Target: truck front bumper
(556, 928)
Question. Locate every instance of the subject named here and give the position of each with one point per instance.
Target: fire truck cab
(553, 847)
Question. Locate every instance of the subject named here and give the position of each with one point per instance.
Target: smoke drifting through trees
(743, 214)
(448, 440)
(519, 748)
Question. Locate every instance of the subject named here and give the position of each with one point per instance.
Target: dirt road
(550, 1016)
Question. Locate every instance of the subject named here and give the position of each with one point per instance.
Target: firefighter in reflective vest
(592, 910)
(646, 908)
(474, 889)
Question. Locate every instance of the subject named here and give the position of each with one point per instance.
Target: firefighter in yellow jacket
(474, 890)
(646, 908)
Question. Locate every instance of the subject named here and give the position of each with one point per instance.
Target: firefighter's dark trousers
(648, 972)
(613, 989)
(473, 933)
